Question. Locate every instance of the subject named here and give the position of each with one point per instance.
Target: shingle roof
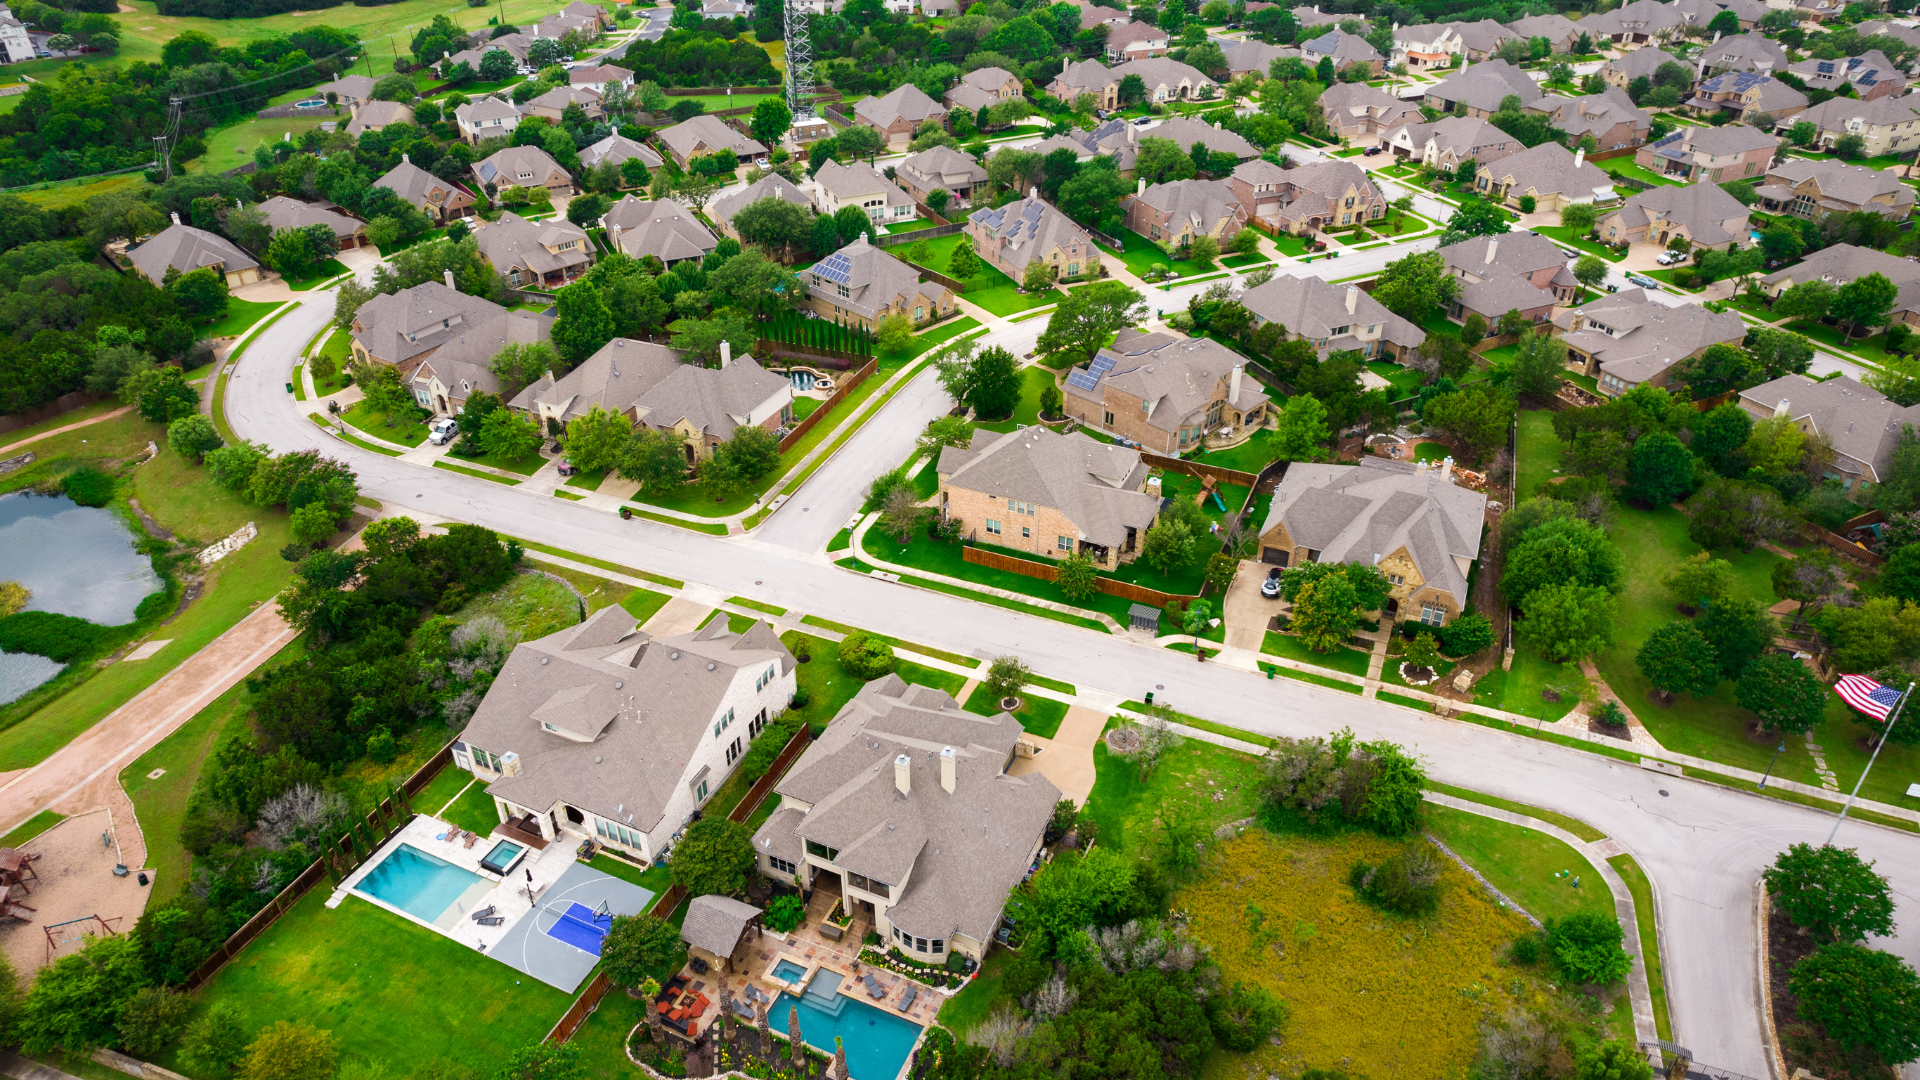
(1745, 52)
(663, 229)
(486, 108)
(1859, 420)
(1359, 513)
(1085, 76)
(1158, 71)
(1485, 85)
(1241, 55)
(715, 923)
(560, 97)
(1465, 137)
(519, 166)
(643, 732)
(656, 384)
(1314, 187)
(770, 186)
(618, 149)
(686, 137)
(378, 114)
(285, 213)
(1186, 131)
(1841, 263)
(1548, 169)
(1703, 207)
(1854, 184)
(1716, 141)
(958, 855)
(858, 181)
(348, 86)
(599, 75)
(418, 186)
(1834, 114)
(874, 280)
(1311, 308)
(186, 249)
(1202, 203)
(1032, 229)
(1641, 62)
(1555, 28)
(1868, 69)
(992, 79)
(939, 166)
(970, 98)
(1343, 48)
(1506, 264)
(1760, 93)
(514, 241)
(1175, 377)
(1483, 36)
(1095, 484)
(1637, 338)
(908, 103)
(1593, 114)
(460, 332)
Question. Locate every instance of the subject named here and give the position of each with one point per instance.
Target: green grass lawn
(828, 685)
(388, 990)
(232, 146)
(526, 466)
(405, 431)
(332, 268)
(1624, 166)
(643, 603)
(936, 557)
(1519, 690)
(72, 416)
(1539, 456)
(1126, 808)
(1872, 349)
(990, 288)
(1237, 261)
(937, 335)
(1033, 380)
(1535, 870)
(1251, 456)
(972, 1004)
(1340, 658)
(1141, 254)
(240, 317)
(1406, 382)
(1289, 244)
(1570, 238)
(1039, 716)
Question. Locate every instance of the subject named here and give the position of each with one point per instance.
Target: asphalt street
(1703, 846)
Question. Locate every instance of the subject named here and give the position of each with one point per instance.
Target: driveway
(1245, 611)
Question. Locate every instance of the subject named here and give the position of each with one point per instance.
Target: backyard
(989, 289)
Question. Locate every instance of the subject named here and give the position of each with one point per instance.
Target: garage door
(1276, 556)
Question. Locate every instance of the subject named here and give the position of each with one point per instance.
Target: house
(1176, 212)
(185, 249)
(665, 230)
(1870, 74)
(1859, 422)
(1633, 25)
(1332, 318)
(1092, 15)
(558, 25)
(1253, 58)
(1307, 198)
(864, 186)
(1362, 114)
(771, 186)
(1561, 32)
(600, 75)
(1137, 40)
(1522, 272)
(1817, 11)
(515, 45)
(543, 254)
(935, 880)
(375, 115)
(1164, 392)
(1700, 13)
(441, 200)
(522, 166)
(617, 150)
(1747, 96)
(723, 9)
(984, 87)
(582, 9)
(1477, 91)
(860, 285)
(1627, 339)
(601, 732)
(442, 340)
(655, 386)
(1410, 520)
(940, 168)
(1609, 118)
(1345, 50)
(1451, 140)
(1638, 64)
(1743, 52)
(1888, 125)
(1185, 131)
(1310, 17)
(283, 213)
(16, 44)
(1841, 263)
(348, 90)
(899, 114)
(1165, 78)
(486, 117)
(552, 105)
(1813, 189)
(1551, 175)
(1050, 495)
(1434, 45)
(1701, 212)
(1014, 235)
(705, 134)
(1720, 154)
(1087, 77)
(1883, 27)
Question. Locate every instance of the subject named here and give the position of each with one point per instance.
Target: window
(1397, 579)
(549, 727)
(1064, 543)
(939, 945)
(1432, 614)
(617, 833)
(1073, 269)
(758, 725)
(1109, 420)
(919, 312)
(993, 527)
(1338, 330)
(733, 751)
(782, 865)
(701, 794)
(823, 851)
(1025, 532)
(843, 290)
(421, 397)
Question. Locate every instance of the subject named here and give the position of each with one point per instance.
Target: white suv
(441, 432)
(1669, 258)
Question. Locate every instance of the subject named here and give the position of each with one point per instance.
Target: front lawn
(240, 317)
(1571, 238)
(526, 466)
(1033, 380)
(939, 334)
(1339, 658)
(1039, 716)
(328, 270)
(989, 289)
(1522, 689)
(937, 557)
(1872, 349)
(1289, 244)
(1535, 870)
(1625, 166)
(407, 430)
(1125, 808)
(828, 686)
(1141, 254)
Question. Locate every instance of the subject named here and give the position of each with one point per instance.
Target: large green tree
(1565, 551)
(1864, 998)
(638, 946)
(714, 857)
(1567, 622)
(1830, 892)
(1414, 286)
(581, 325)
(1089, 317)
(1783, 693)
(1660, 470)
(595, 441)
(1677, 659)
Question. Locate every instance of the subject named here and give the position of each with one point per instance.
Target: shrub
(381, 748)
(214, 1044)
(1406, 884)
(150, 1019)
(866, 657)
(1528, 948)
(1830, 892)
(1586, 948)
(1467, 634)
(88, 486)
(1684, 276)
(785, 913)
(61, 638)
(774, 738)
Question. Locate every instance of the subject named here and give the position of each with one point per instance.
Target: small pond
(78, 561)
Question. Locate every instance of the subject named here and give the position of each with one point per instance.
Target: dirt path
(84, 774)
(121, 411)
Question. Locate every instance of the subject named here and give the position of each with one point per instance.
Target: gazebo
(715, 925)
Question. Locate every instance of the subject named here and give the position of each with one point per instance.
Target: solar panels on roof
(1101, 365)
(836, 268)
(1083, 380)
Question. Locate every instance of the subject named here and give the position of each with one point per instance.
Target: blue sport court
(582, 927)
(558, 942)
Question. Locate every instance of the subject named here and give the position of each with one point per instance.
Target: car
(1142, 121)
(1669, 258)
(1270, 588)
(566, 467)
(441, 432)
(1370, 151)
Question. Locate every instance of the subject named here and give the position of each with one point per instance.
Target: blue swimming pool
(787, 971)
(877, 1042)
(417, 883)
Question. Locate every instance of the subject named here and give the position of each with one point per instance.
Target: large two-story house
(1026, 231)
(1720, 154)
(1332, 318)
(1812, 189)
(1702, 212)
(1522, 272)
(1308, 198)
(1049, 495)
(441, 340)
(1627, 339)
(544, 254)
(860, 284)
(1860, 423)
(838, 186)
(1164, 392)
(441, 200)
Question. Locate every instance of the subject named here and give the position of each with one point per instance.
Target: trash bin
(289, 388)
(626, 514)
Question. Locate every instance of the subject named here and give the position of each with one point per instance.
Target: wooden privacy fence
(815, 357)
(386, 819)
(582, 1008)
(935, 275)
(1126, 590)
(65, 403)
(845, 388)
(1196, 469)
(896, 239)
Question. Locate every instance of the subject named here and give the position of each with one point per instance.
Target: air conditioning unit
(510, 764)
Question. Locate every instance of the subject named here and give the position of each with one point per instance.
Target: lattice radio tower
(799, 62)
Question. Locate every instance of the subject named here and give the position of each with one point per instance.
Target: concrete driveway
(1246, 612)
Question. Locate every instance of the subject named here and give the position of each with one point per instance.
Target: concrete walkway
(1067, 758)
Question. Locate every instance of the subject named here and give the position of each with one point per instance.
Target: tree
(1088, 318)
(1783, 693)
(1536, 369)
(962, 263)
(1566, 550)
(1700, 579)
(582, 323)
(160, 394)
(1830, 892)
(773, 222)
(893, 332)
(1167, 545)
(1661, 469)
(1006, 677)
(1477, 416)
(311, 525)
(1076, 576)
(1726, 513)
(653, 458)
(636, 946)
(1161, 161)
(1590, 270)
(1199, 613)
(291, 1050)
(1809, 300)
(713, 858)
(1719, 435)
(584, 210)
(151, 1018)
(1467, 634)
(1864, 301)
(1414, 285)
(510, 435)
(1476, 217)
(1302, 430)
(202, 293)
(771, 121)
(700, 338)
(995, 383)
(595, 442)
(1203, 249)
(1037, 277)
(866, 657)
(215, 1043)
(191, 437)
(750, 453)
(1614, 1059)
(521, 363)
(1740, 630)
(1567, 622)
(1864, 998)
(1586, 947)
(1677, 659)
(545, 1061)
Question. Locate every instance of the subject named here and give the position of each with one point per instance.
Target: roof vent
(543, 659)
(619, 685)
(673, 656)
(596, 759)
(711, 666)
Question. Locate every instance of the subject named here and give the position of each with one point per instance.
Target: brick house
(1552, 176)
(983, 88)
(1839, 264)
(544, 254)
(1813, 189)
(441, 200)
(441, 340)
(1733, 152)
(185, 249)
(1345, 50)
(860, 284)
(1164, 392)
(1862, 424)
(483, 118)
(1521, 272)
(1702, 213)
(1626, 340)
(1136, 40)
(1450, 141)
(1745, 95)
(1049, 495)
(523, 166)
(283, 213)
(1030, 230)
(940, 168)
(702, 135)
(1361, 113)
(1609, 118)
(1332, 318)
(1176, 212)
(899, 114)
(1308, 198)
(1889, 125)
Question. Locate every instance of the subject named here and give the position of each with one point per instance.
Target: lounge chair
(907, 999)
(742, 1010)
(483, 913)
(468, 842)
(874, 989)
(17, 911)
(494, 921)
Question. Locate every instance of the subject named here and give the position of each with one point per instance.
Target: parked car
(1142, 121)
(441, 432)
(1370, 151)
(1669, 258)
(1270, 588)
(566, 467)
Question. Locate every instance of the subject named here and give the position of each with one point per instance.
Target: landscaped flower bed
(894, 960)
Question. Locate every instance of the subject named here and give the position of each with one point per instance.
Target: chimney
(946, 768)
(1142, 190)
(450, 283)
(1133, 134)
(903, 774)
(1492, 246)
(1233, 384)
(726, 354)
(1446, 468)
(613, 233)
(176, 217)
(1353, 297)
(1420, 468)
(1579, 156)
(1716, 38)
(238, 205)
(1032, 193)
(1782, 408)
(406, 159)
(1216, 125)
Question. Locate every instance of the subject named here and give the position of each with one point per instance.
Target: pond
(78, 561)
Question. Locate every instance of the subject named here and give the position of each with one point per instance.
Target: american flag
(1866, 695)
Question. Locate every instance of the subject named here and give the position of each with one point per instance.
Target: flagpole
(1891, 717)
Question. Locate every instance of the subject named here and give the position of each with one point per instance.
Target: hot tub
(502, 857)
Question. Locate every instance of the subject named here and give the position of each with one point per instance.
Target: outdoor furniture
(483, 913)
(15, 861)
(742, 1010)
(14, 911)
(907, 999)
(874, 989)
(698, 965)
(829, 930)
(758, 994)
(494, 921)
(468, 842)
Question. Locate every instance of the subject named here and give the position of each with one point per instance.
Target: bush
(150, 1019)
(1528, 948)
(1467, 634)
(1407, 884)
(88, 486)
(1684, 276)
(1586, 948)
(864, 656)
(61, 638)
(785, 913)
(381, 748)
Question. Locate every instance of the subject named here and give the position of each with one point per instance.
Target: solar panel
(1081, 380)
(835, 268)
(1101, 365)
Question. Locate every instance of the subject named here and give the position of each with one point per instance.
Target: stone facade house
(1861, 423)
(899, 114)
(1362, 114)
(1627, 339)
(525, 167)
(1610, 118)
(1522, 272)
(1433, 46)
(665, 230)
(1561, 32)
(377, 115)
(543, 254)
(1812, 189)
(1308, 198)
(1185, 131)
(860, 284)
(1251, 57)
(1703, 213)
(1332, 318)
(602, 732)
(704, 134)
(1870, 74)
(349, 232)
(934, 881)
(1345, 50)
(1745, 52)
(1049, 495)
(984, 87)
(618, 150)
(1176, 212)
(1747, 95)
(1633, 25)
(441, 340)
(1554, 177)
(1164, 392)
(1638, 64)
(1888, 125)
(1030, 230)
(861, 185)
(1450, 141)
(1719, 154)
(185, 249)
(940, 168)
(484, 118)
(1166, 79)
(1478, 90)
(552, 105)
(1087, 77)
(1411, 521)
(441, 200)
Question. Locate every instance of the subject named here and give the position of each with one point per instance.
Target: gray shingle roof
(375, 115)
(1186, 131)
(1593, 114)
(647, 729)
(652, 382)
(514, 241)
(1466, 138)
(715, 923)
(1640, 62)
(1710, 215)
(1505, 264)
(992, 79)
(348, 86)
(452, 335)
(1202, 203)
(1835, 113)
(1861, 422)
(874, 280)
(1312, 189)
(958, 855)
(941, 167)
(1032, 229)
(706, 134)
(1085, 77)
(186, 249)
(1311, 308)
(1635, 338)
(1555, 28)
(664, 229)
(520, 166)
(1760, 93)
(285, 213)
(970, 98)
(487, 108)
(1175, 377)
(1484, 85)
(908, 103)
(1159, 70)
(1360, 513)
(1842, 263)
(1343, 48)
(618, 149)
(1548, 169)
(1095, 484)
(858, 181)
(1853, 184)
(1745, 52)
(770, 186)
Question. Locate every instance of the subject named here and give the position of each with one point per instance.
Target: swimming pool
(877, 1042)
(787, 971)
(418, 883)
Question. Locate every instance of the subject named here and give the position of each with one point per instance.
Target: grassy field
(144, 30)
(1185, 782)
(1519, 690)
(1033, 380)
(68, 193)
(1535, 870)
(231, 147)
(1141, 254)
(1539, 457)
(1251, 456)
(937, 557)
(1039, 716)
(1339, 658)
(240, 317)
(403, 431)
(1568, 237)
